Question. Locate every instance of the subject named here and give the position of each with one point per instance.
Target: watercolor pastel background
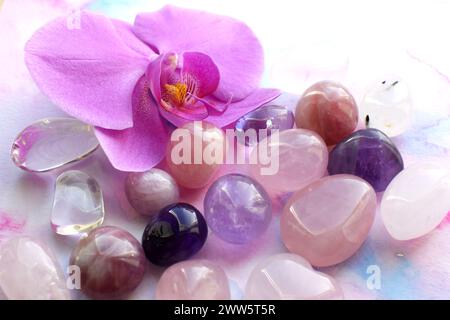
(354, 42)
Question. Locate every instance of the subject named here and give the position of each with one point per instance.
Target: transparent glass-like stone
(387, 106)
(52, 143)
(77, 205)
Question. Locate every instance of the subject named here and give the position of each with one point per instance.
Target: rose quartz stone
(288, 276)
(329, 109)
(191, 155)
(302, 158)
(193, 280)
(30, 271)
(327, 221)
(417, 200)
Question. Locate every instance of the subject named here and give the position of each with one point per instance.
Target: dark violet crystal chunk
(368, 154)
(178, 232)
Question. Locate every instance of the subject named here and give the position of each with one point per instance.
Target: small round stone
(148, 192)
(417, 200)
(387, 106)
(178, 232)
(269, 117)
(368, 154)
(329, 109)
(195, 153)
(327, 221)
(288, 276)
(297, 158)
(237, 208)
(193, 280)
(111, 262)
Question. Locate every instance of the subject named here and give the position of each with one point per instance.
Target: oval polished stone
(77, 204)
(30, 271)
(368, 154)
(111, 262)
(297, 157)
(269, 117)
(237, 208)
(327, 221)
(195, 153)
(417, 200)
(329, 109)
(387, 106)
(148, 192)
(178, 232)
(289, 277)
(52, 143)
(193, 280)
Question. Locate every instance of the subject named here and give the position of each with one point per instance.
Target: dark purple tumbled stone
(269, 117)
(175, 234)
(368, 154)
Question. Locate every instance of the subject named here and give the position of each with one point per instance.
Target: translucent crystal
(52, 143)
(77, 205)
(387, 106)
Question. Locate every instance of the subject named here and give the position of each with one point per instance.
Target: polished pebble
(290, 277)
(417, 200)
(148, 192)
(77, 205)
(52, 143)
(30, 271)
(193, 280)
(237, 208)
(327, 221)
(387, 106)
(175, 234)
(111, 262)
(292, 159)
(267, 118)
(368, 154)
(195, 153)
(329, 109)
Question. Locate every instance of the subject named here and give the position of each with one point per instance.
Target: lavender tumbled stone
(237, 208)
(269, 117)
(368, 154)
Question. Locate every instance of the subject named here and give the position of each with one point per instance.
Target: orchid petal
(203, 70)
(230, 43)
(143, 146)
(89, 72)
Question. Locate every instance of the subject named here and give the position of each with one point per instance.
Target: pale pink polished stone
(329, 109)
(297, 158)
(288, 276)
(29, 271)
(193, 280)
(327, 221)
(193, 154)
(417, 200)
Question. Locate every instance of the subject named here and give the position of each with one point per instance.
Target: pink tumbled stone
(30, 271)
(193, 280)
(111, 261)
(329, 109)
(302, 158)
(327, 221)
(288, 276)
(193, 155)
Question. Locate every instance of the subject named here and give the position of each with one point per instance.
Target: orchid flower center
(181, 93)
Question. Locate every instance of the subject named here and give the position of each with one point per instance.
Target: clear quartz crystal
(52, 143)
(387, 106)
(77, 205)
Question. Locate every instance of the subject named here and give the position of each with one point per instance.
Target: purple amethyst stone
(368, 154)
(178, 232)
(269, 117)
(237, 208)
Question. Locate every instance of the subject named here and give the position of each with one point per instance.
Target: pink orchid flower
(126, 80)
